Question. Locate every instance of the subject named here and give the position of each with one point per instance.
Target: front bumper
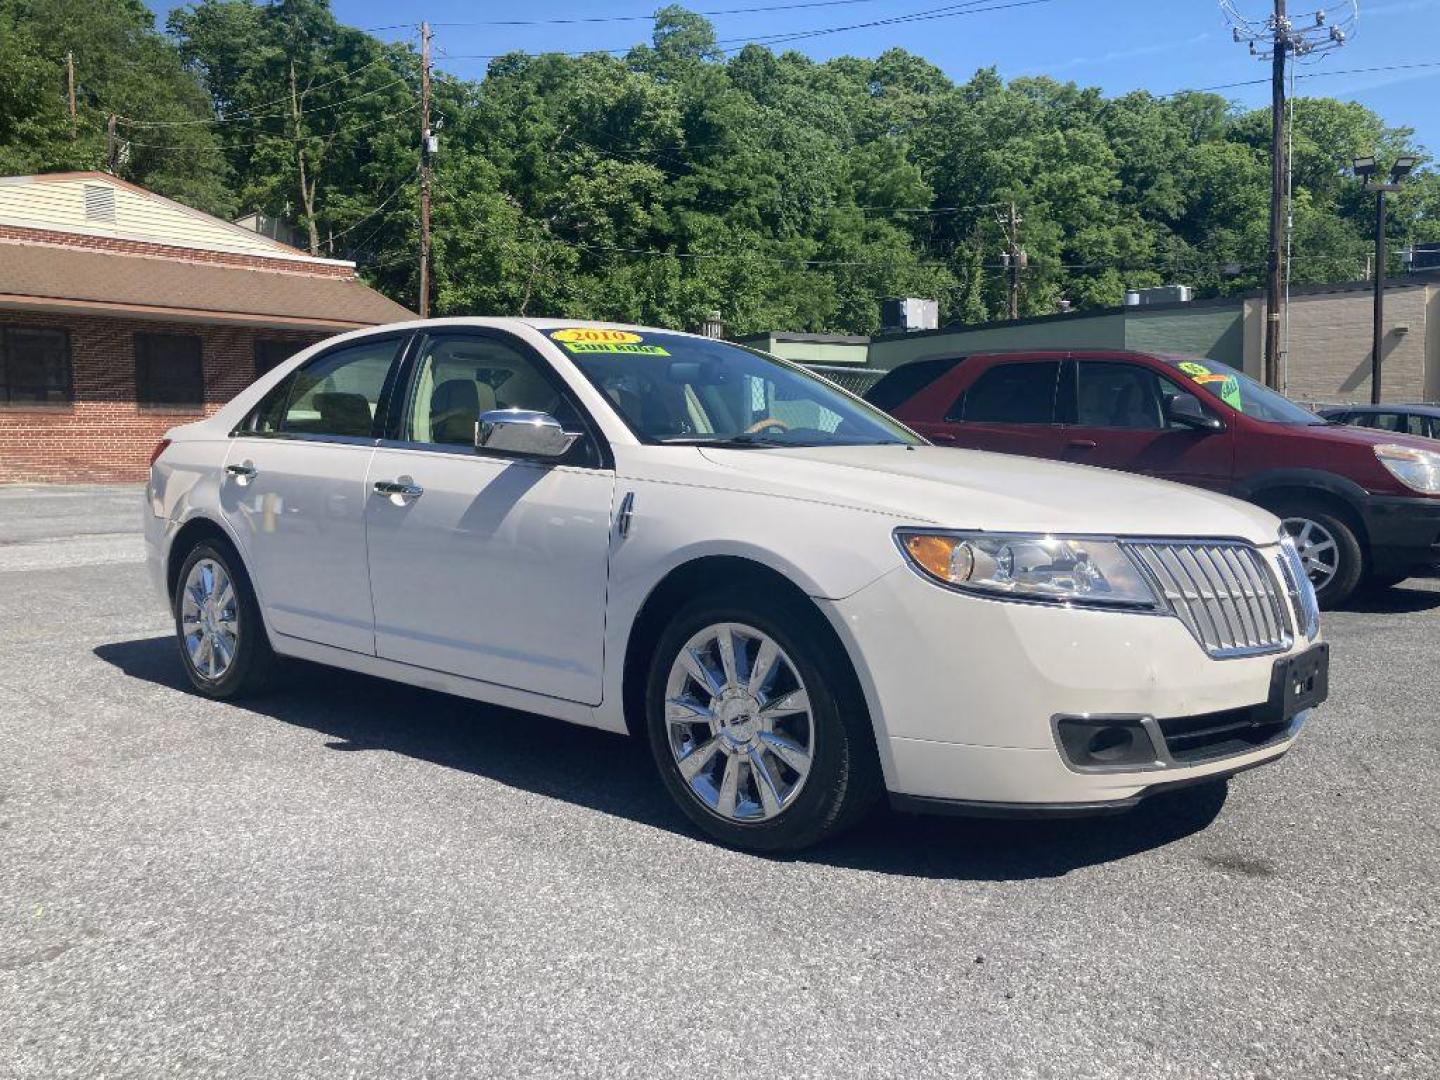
(964, 691)
(975, 808)
(1404, 532)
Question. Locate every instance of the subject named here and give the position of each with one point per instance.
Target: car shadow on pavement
(557, 760)
(1396, 600)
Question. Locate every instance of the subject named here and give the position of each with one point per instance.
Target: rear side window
(1018, 393)
(900, 385)
(337, 393)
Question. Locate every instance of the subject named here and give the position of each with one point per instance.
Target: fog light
(1108, 743)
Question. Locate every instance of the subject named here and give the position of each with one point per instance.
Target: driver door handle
(1082, 444)
(403, 488)
(244, 473)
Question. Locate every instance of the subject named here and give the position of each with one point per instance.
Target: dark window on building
(271, 354)
(168, 370)
(1014, 393)
(35, 366)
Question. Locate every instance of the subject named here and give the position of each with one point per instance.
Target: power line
(265, 116)
(263, 105)
(650, 17)
(355, 225)
(731, 45)
(283, 138)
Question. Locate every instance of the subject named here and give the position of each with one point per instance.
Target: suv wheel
(223, 643)
(1329, 549)
(757, 725)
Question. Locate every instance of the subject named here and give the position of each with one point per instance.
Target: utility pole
(70, 81)
(112, 145)
(1277, 39)
(426, 139)
(1014, 259)
(1377, 336)
(1365, 169)
(1273, 271)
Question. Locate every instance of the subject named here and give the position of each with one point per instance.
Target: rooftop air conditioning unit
(1161, 294)
(908, 315)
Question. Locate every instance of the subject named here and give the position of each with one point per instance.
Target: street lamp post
(1365, 169)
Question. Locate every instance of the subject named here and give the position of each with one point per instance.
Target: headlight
(1416, 469)
(1034, 567)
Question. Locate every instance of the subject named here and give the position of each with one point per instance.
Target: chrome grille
(1224, 592)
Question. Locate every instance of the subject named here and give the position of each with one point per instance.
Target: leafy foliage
(681, 178)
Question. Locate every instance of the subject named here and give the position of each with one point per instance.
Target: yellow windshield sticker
(613, 347)
(590, 340)
(592, 336)
(1229, 389)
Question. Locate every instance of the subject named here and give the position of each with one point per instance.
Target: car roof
(511, 322)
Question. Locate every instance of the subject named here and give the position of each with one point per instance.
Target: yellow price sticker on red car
(582, 339)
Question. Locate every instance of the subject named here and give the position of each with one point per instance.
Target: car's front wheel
(1329, 549)
(223, 643)
(757, 724)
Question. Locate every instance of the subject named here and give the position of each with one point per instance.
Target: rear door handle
(401, 490)
(244, 472)
(1082, 444)
(942, 436)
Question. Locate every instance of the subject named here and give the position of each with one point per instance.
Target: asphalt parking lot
(351, 878)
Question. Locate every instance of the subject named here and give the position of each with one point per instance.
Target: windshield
(1240, 392)
(671, 388)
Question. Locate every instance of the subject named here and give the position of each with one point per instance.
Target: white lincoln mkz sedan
(798, 602)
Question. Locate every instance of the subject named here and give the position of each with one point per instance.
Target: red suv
(1363, 505)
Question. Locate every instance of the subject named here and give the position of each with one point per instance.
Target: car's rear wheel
(757, 724)
(1329, 549)
(223, 643)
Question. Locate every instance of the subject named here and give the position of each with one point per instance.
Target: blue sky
(1120, 45)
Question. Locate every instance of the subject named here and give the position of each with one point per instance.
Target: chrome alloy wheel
(739, 723)
(210, 619)
(1318, 551)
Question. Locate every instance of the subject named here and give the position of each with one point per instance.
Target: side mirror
(523, 433)
(1186, 409)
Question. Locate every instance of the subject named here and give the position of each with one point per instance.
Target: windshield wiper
(744, 439)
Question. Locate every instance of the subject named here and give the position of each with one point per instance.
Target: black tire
(1350, 569)
(844, 781)
(255, 667)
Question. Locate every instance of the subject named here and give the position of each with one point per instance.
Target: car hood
(1349, 435)
(973, 489)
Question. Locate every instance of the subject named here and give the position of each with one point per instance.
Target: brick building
(123, 313)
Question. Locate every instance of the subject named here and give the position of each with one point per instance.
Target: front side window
(34, 366)
(1013, 393)
(169, 370)
(337, 393)
(1117, 396)
(1120, 395)
(672, 388)
(458, 377)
